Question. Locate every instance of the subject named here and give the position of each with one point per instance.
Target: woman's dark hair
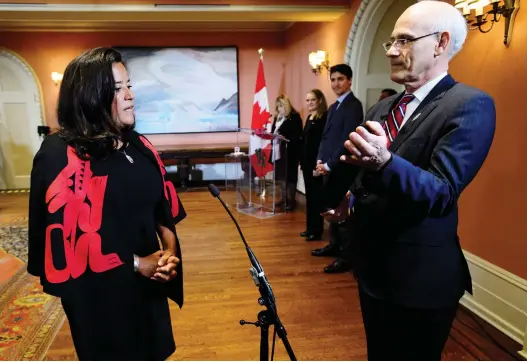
(85, 102)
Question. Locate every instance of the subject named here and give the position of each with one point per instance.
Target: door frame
(359, 45)
(30, 84)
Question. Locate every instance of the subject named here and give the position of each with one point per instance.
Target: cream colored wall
(377, 73)
(378, 62)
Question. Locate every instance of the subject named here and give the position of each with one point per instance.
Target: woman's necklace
(127, 156)
(130, 159)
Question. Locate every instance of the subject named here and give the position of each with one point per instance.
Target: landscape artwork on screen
(184, 90)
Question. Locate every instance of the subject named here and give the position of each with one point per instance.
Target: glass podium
(250, 183)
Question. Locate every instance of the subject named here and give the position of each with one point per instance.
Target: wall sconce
(508, 10)
(317, 60)
(56, 77)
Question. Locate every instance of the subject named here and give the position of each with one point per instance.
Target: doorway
(372, 26)
(20, 114)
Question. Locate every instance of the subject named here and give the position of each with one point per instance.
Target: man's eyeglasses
(398, 43)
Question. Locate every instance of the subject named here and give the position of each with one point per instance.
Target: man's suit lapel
(423, 110)
(331, 113)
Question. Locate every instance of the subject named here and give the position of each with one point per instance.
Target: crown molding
(146, 8)
(149, 17)
(344, 3)
(202, 27)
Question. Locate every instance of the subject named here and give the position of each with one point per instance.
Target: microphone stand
(270, 315)
(266, 317)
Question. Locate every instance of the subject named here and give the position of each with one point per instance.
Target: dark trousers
(339, 233)
(288, 191)
(395, 333)
(340, 239)
(313, 186)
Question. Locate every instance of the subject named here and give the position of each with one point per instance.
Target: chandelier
(484, 21)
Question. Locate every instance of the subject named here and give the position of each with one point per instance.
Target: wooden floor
(320, 312)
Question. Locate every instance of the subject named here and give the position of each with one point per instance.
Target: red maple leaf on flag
(260, 143)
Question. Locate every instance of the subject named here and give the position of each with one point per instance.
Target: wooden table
(185, 156)
(199, 153)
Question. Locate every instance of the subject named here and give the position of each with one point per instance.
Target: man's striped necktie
(395, 119)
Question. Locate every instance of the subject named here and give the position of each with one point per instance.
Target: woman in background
(315, 123)
(98, 203)
(288, 124)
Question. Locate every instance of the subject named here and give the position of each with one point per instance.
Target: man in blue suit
(344, 116)
(417, 152)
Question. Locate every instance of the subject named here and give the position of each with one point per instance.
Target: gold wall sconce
(56, 77)
(318, 60)
(507, 10)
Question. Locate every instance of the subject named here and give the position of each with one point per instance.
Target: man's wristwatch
(136, 263)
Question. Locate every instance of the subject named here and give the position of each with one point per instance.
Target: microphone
(256, 270)
(214, 190)
(216, 193)
(270, 316)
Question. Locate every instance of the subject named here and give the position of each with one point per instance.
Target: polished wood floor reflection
(321, 312)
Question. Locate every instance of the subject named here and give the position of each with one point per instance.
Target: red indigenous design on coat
(169, 189)
(82, 196)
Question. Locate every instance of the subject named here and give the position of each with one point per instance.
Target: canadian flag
(259, 144)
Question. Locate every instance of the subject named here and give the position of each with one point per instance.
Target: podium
(252, 181)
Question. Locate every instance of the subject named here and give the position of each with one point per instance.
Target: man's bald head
(432, 16)
(425, 37)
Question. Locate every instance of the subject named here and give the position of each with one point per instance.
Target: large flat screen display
(184, 90)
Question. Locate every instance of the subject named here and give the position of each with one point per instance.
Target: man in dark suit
(343, 117)
(419, 150)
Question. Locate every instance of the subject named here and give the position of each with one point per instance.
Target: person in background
(418, 152)
(316, 121)
(385, 93)
(287, 123)
(98, 203)
(343, 117)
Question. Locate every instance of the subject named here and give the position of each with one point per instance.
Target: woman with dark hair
(317, 107)
(98, 204)
(287, 123)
